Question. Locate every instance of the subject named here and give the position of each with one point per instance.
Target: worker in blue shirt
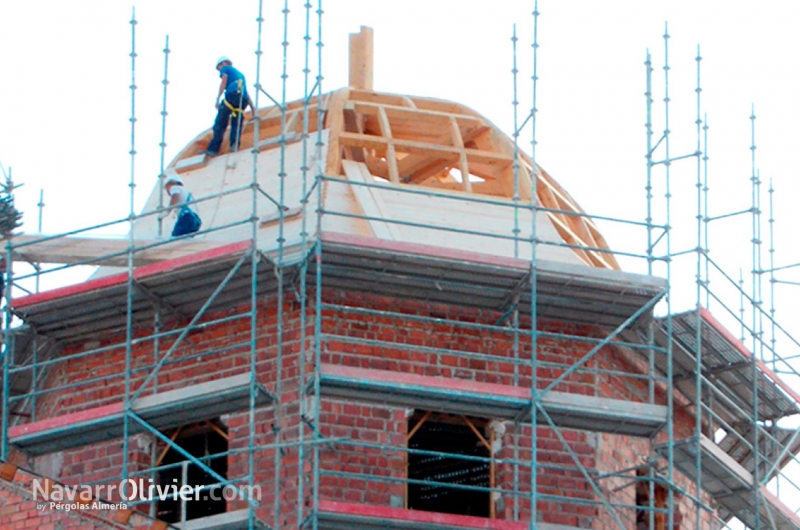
(183, 208)
(232, 101)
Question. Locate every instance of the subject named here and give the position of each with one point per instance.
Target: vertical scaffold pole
(648, 187)
(301, 482)
(698, 379)
(163, 143)
(254, 259)
(131, 245)
(281, 210)
(8, 343)
(515, 104)
(648, 94)
(7, 349)
(7, 340)
(318, 262)
(757, 269)
(771, 221)
(648, 124)
(534, 320)
(37, 267)
(40, 206)
(756, 263)
(707, 279)
(279, 420)
(516, 231)
(648, 64)
(668, 230)
(741, 306)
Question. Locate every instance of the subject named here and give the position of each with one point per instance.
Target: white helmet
(222, 60)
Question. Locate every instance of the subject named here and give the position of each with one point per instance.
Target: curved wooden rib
(425, 142)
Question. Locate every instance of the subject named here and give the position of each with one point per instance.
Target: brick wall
(396, 340)
(19, 510)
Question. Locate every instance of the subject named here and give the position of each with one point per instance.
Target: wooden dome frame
(432, 143)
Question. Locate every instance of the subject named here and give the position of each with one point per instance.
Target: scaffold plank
(730, 484)
(140, 273)
(183, 284)
(565, 291)
(103, 251)
(490, 400)
(163, 410)
(727, 364)
(334, 515)
(568, 292)
(774, 442)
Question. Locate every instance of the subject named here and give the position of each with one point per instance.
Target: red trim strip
(780, 506)
(138, 273)
(400, 514)
(741, 348)
(64, 421)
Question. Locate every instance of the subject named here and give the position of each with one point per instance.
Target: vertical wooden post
(361, 59)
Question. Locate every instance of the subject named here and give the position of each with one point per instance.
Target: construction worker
(232, 101)
(188, 221)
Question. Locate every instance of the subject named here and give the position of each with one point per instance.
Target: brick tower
(391, 318)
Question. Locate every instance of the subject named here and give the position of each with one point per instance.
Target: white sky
(66, 71)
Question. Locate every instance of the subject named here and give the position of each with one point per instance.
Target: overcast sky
(64, 124)
(65, 128)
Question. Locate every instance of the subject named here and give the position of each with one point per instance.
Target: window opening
(644, 507)
(202, 440)
(454, 436)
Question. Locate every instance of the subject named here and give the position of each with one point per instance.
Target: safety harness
(234, 110)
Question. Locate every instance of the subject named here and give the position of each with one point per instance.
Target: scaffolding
(540, 346)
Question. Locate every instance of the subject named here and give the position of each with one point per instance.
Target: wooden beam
(581, 229)
(334, 120)
(411, 164)
(435, 166)
(477, 433)
(409, 102)
(361, 59)
(376, 97)
(167, 446)
(377, 167)
(391, 156)
(422, 148)
(463, 163)
(353, 123)
(419, 424)
(594, 257)
(291, 121)
(370, 202)
(400, 112)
